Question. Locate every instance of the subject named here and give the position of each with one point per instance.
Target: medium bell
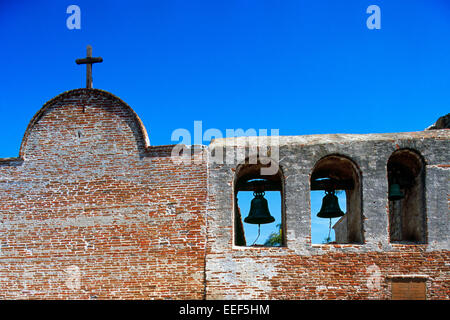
(395, 193)
(259, 210)
(330, 206)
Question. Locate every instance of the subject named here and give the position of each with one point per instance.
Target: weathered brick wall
(301, 270)
(89, 210)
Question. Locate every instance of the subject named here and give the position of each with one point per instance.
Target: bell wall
(302, 270)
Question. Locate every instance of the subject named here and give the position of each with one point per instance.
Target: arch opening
(248, 184)
(338, 175)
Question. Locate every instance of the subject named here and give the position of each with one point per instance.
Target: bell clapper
(259, 229)
(329, 227)
(329, 231)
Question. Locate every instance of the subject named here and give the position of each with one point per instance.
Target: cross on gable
(88, 61)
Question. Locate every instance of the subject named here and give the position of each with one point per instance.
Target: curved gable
(84, 121)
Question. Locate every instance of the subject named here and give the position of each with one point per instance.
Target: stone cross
(88, 61)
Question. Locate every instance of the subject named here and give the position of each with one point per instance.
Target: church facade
(89, 210)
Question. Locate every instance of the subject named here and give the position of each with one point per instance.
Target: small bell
(259, 210)
(395, 193)
(330, 206)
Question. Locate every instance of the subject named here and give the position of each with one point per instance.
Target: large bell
(395, 193)
(259, 210)
(330, 206)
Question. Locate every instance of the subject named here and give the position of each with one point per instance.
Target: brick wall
(89, 210)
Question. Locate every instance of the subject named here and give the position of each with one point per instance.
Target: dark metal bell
(259, 210)
(395, 193)
(330, 206)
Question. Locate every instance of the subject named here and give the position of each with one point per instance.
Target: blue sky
(303, 67)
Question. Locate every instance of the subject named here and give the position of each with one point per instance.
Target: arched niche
(407, 218)
(340, 173)
(249, 177)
